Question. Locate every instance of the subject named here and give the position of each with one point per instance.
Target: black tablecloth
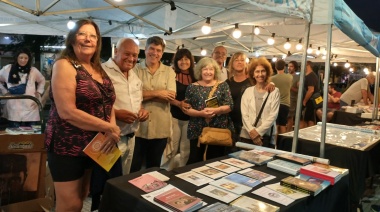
(120, 195)
(350, 119)
(361, 164)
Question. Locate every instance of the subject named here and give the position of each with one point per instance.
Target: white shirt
(22, 110)
(223, 75)
(128, 94)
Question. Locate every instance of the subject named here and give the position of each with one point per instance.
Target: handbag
(317, 100)
(19, 89)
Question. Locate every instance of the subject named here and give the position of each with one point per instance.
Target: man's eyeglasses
(220, 53)
(84, 35)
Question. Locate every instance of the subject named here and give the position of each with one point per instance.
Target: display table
(362, 163)
(351, 119)
(120, 195)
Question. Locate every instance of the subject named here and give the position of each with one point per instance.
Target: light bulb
(335, 64)
(236, 33)
(284, 56)
(274, 59)
(299, 45)
(366, 71)
(309, 50)
(206, 29)
(287, 44)
(203, 52)
(347, 64)
(318, 52)
(256, 30)
(70, 24)
(270, 40)
(324, 57)
(351, 70)
(246, 60)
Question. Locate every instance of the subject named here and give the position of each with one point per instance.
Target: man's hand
(143, 115)
(126, 116)
(270, 87)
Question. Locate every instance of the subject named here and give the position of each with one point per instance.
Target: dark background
(368, 11)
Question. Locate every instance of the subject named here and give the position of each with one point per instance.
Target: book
(342, 171)
(251, 157)
(147, 183)
(323, 183)
(241, 179)
(263, 152)
(106, 161)
(209, 172)
(294, 159)
(285, 166)
(301, 185)
(273, 195)
(194, 178)
(219, 207)
(237, 162)
(291, 193)
(249, 204)
(158, 175)
(212, 102)
(230, 186)
(255, 174)
(218, 193)
(321, 173)
(223, 167)
(177, 200)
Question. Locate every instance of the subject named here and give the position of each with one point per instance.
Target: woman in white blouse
(259, 71)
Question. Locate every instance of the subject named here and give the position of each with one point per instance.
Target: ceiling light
(347, 64)
(247, 60)
(256, 31)
(310, 50)
(274, 59)
(172, 6)
(318, 52)
(206, 29)
(71, 23)
(323, 57)
(203, 52)
(335, 64)
(324, 52)
(270, 40)
(299, 45)
(351, 69)
(287, 44)
(366, 71)
(236, 33)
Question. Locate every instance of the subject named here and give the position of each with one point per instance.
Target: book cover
(301, 185)
(231, 186)
(294, 159)
(291, 193)
(177, 200)
(241, 179)
(273, 195)
(194, 178)
(238, 163)
(285, 166)
(219, 207)
(323, 183)
(342, 171)
(249, 204)
(209, 172)
(218, 193)
(321, 173)
(212, 102)
(258, 175)
(223, 167)
(158, 175)
(251, 157)
(147, 183)
(262, 152)
(106, 161)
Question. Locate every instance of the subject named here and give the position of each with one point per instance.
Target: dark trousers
(148, 150)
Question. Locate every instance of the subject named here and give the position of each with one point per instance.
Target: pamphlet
(218, 193)
(238, 163)
(194, 178)
(223, 167)
(249, 204)
(147, 183)
(273, 195)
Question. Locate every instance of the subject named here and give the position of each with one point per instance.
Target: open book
(106, 161)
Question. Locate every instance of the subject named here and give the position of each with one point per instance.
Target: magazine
(223, 167)
(177, 200)
(158, 175)
(106, 161)
(249, 204)
(219, 207)
(258, 175)
(231, 186)
(301, 185)
(194, 178)
(241, 179)
(273, 195)
(251, 157)
(238, 163)
(294, 194)
(147, 183)
(285, 166)
(209, 172)
(294, 159)
(218, 193)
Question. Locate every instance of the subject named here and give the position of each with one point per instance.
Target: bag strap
(261, 110)
(213, 90)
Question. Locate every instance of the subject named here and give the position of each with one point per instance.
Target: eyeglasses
(84, 35)
(220, 53)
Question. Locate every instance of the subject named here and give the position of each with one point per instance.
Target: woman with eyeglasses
(21, 78)
(207, 72)
(82, 97)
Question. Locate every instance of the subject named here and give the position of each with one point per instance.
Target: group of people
(152, 112)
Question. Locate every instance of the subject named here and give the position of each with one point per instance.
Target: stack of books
(301, 185)
(324, 172)
(251, 157)
(285, 166)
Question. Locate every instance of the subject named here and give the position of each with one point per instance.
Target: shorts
(309, 112)
(282, 117)
(65, 168)
(292, 108)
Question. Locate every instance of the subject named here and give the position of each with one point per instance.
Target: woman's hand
(255, 137)
(270, 87)
(208, 113)
(257, 141)
(112, 138)
(184, 105)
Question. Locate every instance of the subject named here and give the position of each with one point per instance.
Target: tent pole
(376, 91)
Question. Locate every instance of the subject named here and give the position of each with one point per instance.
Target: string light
(299, 45)
(347, 64)
(270, 40)
(323, 57)
(71, 23)
(274, 59)
(366, 71)
(287, 44)
(236, 33)
(206, 29)
(335, 64)
(318, 52)
(309, 50)
(246, 60)
(256, 31)
(203, 52)
(351, 69)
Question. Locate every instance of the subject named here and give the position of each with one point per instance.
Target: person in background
(183, 63)
(128, 104)
(311, 86)
(332, 103)
(159, 90)
(207, 73)
(292, 69)
(219, 54)
(284, 83)
(252, 100)
(82, 97)
(358, 91)
(22, 112)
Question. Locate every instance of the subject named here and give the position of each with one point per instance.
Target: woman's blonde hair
(233, 58)
(203, 63)
(261, 61)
